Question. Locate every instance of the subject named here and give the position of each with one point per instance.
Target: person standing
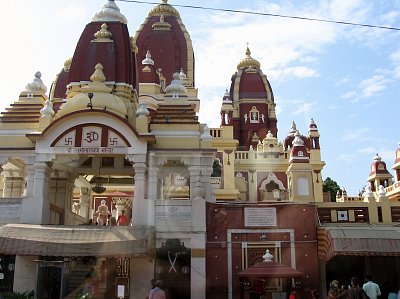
(123, 219)
(157, 292)
(371, 288)
(333, 289)
(354, 292)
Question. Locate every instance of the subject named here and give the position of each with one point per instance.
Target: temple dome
(165, 36)
(109, 13)
(164, 9)
(248, 61)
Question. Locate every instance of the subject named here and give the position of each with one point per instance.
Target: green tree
(330, 186)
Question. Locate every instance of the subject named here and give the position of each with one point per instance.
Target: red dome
(287, 143)
(252, 86)
(397, 160)
(115, 55)
(59, 88)
(165, 36)
(378, 166)
(252, 97)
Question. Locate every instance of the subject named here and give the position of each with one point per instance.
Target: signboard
(174, 213)
(121, 291)
(260, 217)
(122, 287)
(90, 150)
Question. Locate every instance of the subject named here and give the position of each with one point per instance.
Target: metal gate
(172, 266)
(7, 266)
(50, 277)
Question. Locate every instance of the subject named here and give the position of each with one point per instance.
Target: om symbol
(91, 136)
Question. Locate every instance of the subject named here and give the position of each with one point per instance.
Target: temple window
(254, 115)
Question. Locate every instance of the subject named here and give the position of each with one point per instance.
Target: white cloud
(349, 95)
(343, 81)
(304, 108)
(279, 44)
(373, 85)
(355, 134)
(298, 72)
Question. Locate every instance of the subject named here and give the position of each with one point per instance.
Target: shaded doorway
(173, 267)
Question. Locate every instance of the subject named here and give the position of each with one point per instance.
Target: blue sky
(345, 77)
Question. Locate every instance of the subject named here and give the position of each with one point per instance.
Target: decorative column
(30, 168)
(206, 172)
(198, 240)
(84, 200)
(142, 211)
(153, 184)
(195, 174)
(36, 208)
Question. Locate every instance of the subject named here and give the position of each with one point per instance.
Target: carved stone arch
(272, 178)
(112, 129)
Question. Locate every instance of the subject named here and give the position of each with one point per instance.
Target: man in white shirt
(157, 292)
(371, 288)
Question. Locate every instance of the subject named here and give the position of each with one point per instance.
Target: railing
(242, 155)
(359, 212)
(392, 188)
(349, 198)
(215, 133)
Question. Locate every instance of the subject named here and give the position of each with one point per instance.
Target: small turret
(396, 166)
(313, 135)
(379, 175)
(300, 174)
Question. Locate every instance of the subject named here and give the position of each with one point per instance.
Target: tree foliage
(330, 186)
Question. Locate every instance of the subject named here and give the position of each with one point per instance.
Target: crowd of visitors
(357, 290)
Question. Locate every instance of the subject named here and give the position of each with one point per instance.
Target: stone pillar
(195, 176)
(153, 188)
(252, 178)
(141, 206)
(30, 168)
(36, 208)
(141, 275)
(198, 264)
(25, 273)
(206, 172)
(85, 196)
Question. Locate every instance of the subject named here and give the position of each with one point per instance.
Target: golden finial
(162, 24)
(164, 8)
(98, 75)
(248, 61)
(103, 34)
